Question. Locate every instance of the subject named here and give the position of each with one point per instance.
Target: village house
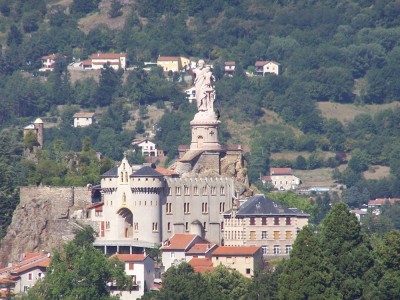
(98, 60)
(229, 68)
(375, 206)
(20, 277)
(141, 269)
(264, 223)
(83, 119)
(174, 249)
(267, 67)
(49, 61)
(148, 148)
(173, 63)
(244, 259)
(282, 179)
(191, 94)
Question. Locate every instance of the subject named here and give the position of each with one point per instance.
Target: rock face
(44, 220)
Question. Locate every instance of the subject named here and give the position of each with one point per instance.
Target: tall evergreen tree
(306, 274)
(347, 251)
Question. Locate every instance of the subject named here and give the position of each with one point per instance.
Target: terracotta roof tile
(236, 250)
(168, 58)
(179, 241)
(130, 257)
(201, 265)
(166, 172)
(107, 55)
(281, 171)
(201, 248)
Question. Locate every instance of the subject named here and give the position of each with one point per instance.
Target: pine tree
(347, 251)
(305, 275)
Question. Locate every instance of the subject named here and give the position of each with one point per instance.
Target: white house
(282, 179)
(141, 269)
(263, 67)
(147, 147)
(98, 60)
(174, 249)
(83, 119)
(229, 68)
(191, 94)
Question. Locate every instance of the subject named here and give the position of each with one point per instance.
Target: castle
(142, 206)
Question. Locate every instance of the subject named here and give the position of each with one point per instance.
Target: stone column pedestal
(205, 131)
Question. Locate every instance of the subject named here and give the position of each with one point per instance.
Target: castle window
(186, 190)
(222, 225)
(263, 235)
(186, 208)
(276, 221)
(187, 226)
(221, 207)
(126, 176)
(205, 190)
(288, 249)
(195, 190)
(252, 221)
(177, 190)
(277, 249)
(124, 198)
(205, 226)
(136, 226)
(204, 207)
(155, 226)
(168, 208)
(263, 221)
(169, 226)
(288, 221)
(213, 190)
(122, 177)
(222, 190)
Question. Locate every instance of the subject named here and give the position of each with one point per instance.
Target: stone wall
(42, 220)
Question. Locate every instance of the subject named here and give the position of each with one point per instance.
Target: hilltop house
(48, 61)
(83, 119)
(229, 68)
(147, 147)
(264, 67)
(98, 60)
(173, 63)
(191, 94)
(264, 223)
(282, 179)
(374, 206)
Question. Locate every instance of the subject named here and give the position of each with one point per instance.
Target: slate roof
(146, 172)
(259, 205)
(111, 173)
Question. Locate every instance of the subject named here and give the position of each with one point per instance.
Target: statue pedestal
(205, 131)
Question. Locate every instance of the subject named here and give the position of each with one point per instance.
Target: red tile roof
(168, 58)
(39, 264)
(281, 171)
(201, 248)
(107, 55)
(236, 250)
(180, 241)
(381, 201)
(31, 260)
(229, 63)
(201, 265)
(266, 178)
(130, 257)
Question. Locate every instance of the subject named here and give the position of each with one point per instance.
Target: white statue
(205, 92)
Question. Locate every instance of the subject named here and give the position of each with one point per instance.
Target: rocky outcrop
(44, 220)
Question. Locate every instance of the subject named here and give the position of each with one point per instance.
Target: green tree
(347, 251)
(109, 82)
(115, 9)
(306, 273)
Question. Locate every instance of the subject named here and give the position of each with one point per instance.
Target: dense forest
(336, 51)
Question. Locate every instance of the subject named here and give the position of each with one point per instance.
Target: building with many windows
(262, 222)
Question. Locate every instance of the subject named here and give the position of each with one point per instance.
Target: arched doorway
(127, 218)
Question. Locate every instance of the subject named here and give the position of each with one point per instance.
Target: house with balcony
(98, 60)
(140, 268)
(48, 61)
(229, 68)
(267, 67)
